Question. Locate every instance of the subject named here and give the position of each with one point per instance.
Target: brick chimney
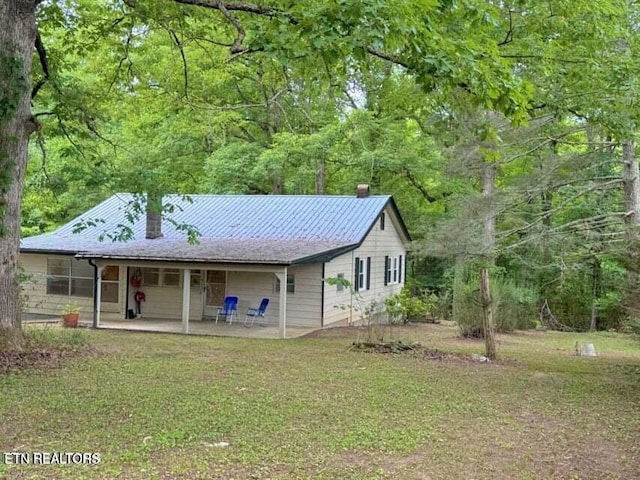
(362, 191)
(154, 216)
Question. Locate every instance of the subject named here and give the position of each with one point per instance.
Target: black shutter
(368, 273)
(405, 269)
(356, 276)
(400, 269)
(386, 270)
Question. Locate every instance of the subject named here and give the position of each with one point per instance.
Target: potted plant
(70, 314)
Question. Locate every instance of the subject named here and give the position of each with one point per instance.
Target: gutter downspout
(322, 297)
(95, 293)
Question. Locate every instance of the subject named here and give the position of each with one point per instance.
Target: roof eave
(139, 258)
(48, 251)
(326, 256)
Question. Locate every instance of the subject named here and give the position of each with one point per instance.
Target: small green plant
(70, 307)
(47, 338)
(374, 313)
(405, 306)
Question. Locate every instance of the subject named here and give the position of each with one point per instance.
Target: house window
(151, 277)
(170, 277)
(165, 277)
(67, 276)
(291, 284)
(196, 278)
(393, 270)
(363, 274)
(340, 284)
(109, 285)
(382, 219)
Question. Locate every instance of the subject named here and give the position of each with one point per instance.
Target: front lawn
(158, 406)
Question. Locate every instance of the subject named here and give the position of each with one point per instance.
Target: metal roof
(233, 228)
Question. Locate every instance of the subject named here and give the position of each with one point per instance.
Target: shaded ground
(42, 346)
(159, 406)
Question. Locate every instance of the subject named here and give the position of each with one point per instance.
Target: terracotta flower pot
(70, 320)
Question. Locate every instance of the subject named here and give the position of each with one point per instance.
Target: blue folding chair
(228, 310)
(254, 313)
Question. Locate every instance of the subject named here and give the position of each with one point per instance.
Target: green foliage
(147, 95)
(514, 308)
(13, 81)
(405, 306)
(70, 307)
(45, 338)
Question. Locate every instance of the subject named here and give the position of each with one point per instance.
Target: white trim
(282, 276)
(186, 298)
(99, 294)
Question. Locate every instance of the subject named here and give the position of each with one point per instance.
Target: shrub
(405, 306)
(513, 308)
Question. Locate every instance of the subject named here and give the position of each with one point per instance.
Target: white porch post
(99, 294)
(283, 303)
(186, 297)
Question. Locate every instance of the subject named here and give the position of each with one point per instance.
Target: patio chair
(254, 313)
(228, 310)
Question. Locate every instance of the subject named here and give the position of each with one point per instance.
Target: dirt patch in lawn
(12, 361)
(42, 347)
(337, 332)
(418, 350)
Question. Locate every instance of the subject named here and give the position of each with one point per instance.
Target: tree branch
(544, 57)
(387, 57)
(509, 36)
(239, 7)
(44, 63)
(185, 70)
(237, 43)
(425, 193)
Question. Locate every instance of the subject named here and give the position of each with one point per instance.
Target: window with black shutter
(368, 273)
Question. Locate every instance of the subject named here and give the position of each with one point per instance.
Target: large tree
(18, 35)
(441, 45)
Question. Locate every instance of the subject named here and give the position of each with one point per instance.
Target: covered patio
(197, 316)
(191, 282)
(205, 327)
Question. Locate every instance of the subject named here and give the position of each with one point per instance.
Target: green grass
(154, 406)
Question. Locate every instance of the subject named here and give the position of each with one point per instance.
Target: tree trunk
(631, 183)
(17, 40)
(489, 217)
(321, 176)
(489, 242)
(597, 293)
(487, 315)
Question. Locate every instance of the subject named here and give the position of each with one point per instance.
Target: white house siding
(250, 285)
(35, 289)
(303, 306)
(378, 244)
(160, 301)
(251, 288)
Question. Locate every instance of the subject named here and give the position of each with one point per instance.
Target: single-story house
(280, 247)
